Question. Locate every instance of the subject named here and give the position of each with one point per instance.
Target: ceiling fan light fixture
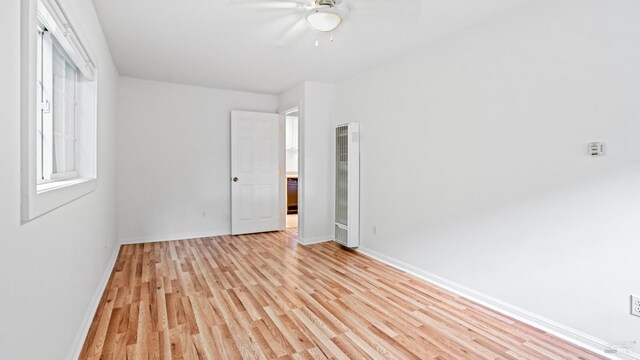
(324, 20)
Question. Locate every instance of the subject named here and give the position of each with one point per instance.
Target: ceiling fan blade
(270, 4)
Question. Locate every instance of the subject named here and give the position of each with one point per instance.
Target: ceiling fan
(326, 17)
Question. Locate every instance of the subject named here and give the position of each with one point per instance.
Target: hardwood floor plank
(264, 296)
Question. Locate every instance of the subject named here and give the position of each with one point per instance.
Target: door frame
(283, 160)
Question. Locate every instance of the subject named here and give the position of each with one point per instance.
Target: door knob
(235, 179)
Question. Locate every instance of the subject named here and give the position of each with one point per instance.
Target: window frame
(41, 197)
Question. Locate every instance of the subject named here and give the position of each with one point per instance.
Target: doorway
(292, 161)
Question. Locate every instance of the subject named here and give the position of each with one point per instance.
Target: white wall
(319, 112)
(292, 161)
(474, 163)
(291, 155)
(51, 267)
(175, 158)
(316, 184)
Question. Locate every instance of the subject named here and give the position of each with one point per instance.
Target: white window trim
(37, 200)
(56, 177)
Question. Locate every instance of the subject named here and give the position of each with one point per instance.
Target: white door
(255, 171)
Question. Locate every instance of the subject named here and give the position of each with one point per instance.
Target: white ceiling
(244, 45)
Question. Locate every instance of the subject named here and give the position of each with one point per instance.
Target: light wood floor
(292, 220)
(264, 297)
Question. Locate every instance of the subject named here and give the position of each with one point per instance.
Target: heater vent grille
(342, 236)
(347, 212)
(342, 175)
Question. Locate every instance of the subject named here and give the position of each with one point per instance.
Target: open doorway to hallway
(292, 168)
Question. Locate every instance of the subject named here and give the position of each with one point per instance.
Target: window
(291, 128)
(57, 112)
(59, 137)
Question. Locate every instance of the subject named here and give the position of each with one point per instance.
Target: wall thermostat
(596, 149)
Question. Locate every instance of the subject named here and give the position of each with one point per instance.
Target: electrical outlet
(635, 305)
(596, 149)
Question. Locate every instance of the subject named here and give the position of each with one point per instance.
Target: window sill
(59, 184)
(48, 197)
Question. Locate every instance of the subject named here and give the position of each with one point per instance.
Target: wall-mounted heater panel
(347, 224)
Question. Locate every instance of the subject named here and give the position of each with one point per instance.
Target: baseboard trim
(174, 237)
(187, 236)
(317, 240)
(78, 341)
(564, 332)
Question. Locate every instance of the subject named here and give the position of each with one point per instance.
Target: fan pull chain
(318, 41)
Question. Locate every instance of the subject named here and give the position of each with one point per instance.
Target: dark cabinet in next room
(292, 195)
